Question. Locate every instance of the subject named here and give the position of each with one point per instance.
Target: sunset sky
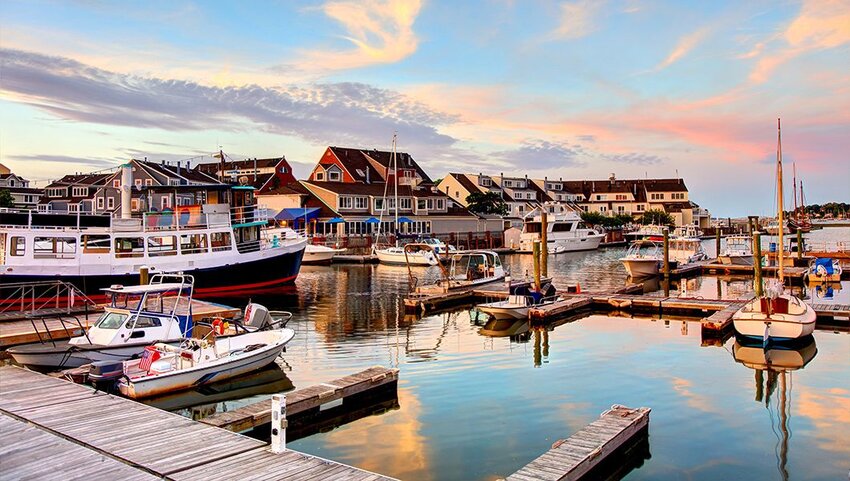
(576, 89)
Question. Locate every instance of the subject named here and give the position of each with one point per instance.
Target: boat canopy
(826, 263)
(294, 213)
(146, 289)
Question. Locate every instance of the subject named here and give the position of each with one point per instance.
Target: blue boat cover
(826, 263)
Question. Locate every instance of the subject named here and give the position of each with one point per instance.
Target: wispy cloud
(634, 158)
(94, 162)
(380, 31)
(577, 19)
(685, 45)
(537, 154)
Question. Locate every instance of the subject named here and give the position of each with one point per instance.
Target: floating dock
(573, 458)
(302, 400)
(62, 420)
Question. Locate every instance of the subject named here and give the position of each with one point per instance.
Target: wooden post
(799, 244)
(666, 253)
(717, 245)
(144, 275)
(544, 240)
(757, 262)
(278, 423)
(535, 253)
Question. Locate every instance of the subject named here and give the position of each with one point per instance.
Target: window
(656, 196)
(640, 207)
(622, 197)
(79, 191)
(345, 202)
(95, 244)
(678, 195)
(602, 208)
(457, 194)
(405, 203)
(100, 203)
(599, 197)
(134, 205)
(621, 209)
(193, 244)
(138, 183)
(142, 322)
(334, 176)
(129, 247)
(17, 246)
(508, 183)
(174, 182)
(220, 241)
(55, 192)
(486, 181)
(320, 176)
(54, 247)
(421, 204)
(110, 203)
(361, 202)
(162, 246)
(283, 170)
(165, 202)
(116, 183)
(111, 320)
(73, 208)
(440, 204)
(149, 182)
(562, 226)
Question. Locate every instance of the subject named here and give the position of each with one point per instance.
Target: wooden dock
(354, 259)
(301, 400)
(721, 320)
(559, 308)
(133, 440)
(425, 300)
(573, 458)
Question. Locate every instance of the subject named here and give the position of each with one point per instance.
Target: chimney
(126, 194)
(187, 165)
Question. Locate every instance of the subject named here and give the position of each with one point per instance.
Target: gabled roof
(212, 168)
(665, 185)
(466, 182)
(375, 190)
(357, 164)
(403, 160)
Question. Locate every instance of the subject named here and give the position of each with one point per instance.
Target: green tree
(593, 218)
(486, 203)
(6, 199)
(654, 216)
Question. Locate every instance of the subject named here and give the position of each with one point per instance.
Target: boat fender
(578, 288)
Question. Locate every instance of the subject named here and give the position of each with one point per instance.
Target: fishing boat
(318, 254)
(413, 254)
(823, 269)
(643, 259)
(515, 306)
(738, 251)
(466, 269)
(689, 231)
(565, 232)
(686, 250)
(135, 317)
(219, 244)
(776, 316)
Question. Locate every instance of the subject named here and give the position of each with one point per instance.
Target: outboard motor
(104, 375)
(257, 317)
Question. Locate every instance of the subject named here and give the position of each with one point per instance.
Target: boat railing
(64, 320)
(835, 246)
(42, 298)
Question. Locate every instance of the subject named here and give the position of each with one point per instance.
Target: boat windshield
(111, 320)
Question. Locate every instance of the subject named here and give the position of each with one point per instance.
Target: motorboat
(164, 368)
(439, 247)
(686, 250)
(776, 316)
(738, 251)
(643, 259)
(515, 306)
(319, 254)
(689, 231)
(652, 232)
(565, 232)
(823, 269)
(413, 254)
(135, 317)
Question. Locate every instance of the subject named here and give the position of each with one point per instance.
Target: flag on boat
(149, 355)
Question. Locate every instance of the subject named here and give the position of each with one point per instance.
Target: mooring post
(757, 262)
(535, 252)
(144, 275)
(544, 240)
(666, 253)
(717, 244)
(799, 244)
(278, 423)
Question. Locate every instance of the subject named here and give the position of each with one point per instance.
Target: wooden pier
(559, 308)
(302, 400)
(62, 420)
(573, 458)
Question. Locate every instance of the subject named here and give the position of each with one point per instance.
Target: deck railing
(42, 298)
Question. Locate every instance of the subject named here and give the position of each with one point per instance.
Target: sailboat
(800, 221)
(776, 316)
(417, 255)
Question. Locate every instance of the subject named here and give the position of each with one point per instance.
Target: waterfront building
(23, 196)
(262, 174)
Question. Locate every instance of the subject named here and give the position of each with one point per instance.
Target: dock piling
(799, 244)
(279, 423)
(717, 244)
(544, 240)
(757, 262)
(144, 275)
(666, 253)
(535, 253)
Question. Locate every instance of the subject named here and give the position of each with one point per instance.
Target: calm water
(474, 407)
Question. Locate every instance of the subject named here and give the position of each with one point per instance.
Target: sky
(573, 90)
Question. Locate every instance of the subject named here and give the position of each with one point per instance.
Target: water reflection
(775, 365)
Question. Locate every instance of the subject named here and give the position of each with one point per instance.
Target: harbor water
(475, 407)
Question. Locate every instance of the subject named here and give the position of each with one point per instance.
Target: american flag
(148, 357)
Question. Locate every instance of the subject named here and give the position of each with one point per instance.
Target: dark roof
(466, 183)
(355, 160)
(665, 185)
(676, 206)
(23, 190)
(403, 159)
(81, 180)
(291, 188)
(376, 190)
(212, 167)
(188, 174)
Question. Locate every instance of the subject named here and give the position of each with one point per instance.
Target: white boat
(689, 231)
(823, 269)
(738, 251)
(686, 250)
(414, 254)
(643, 259)
(648, 231)
(467, 269)
(318, 254)
(514, 307)
(776, 316)
(565, 232)
(135, 317)
(439, 246)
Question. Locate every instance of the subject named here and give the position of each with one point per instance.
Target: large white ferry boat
(565, 232)
(220, 244)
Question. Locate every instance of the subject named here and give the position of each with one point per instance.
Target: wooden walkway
(574, 457)
(143, 438)
(257, 414)
(563, 307)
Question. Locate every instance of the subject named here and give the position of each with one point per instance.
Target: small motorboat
(319, 254)
(413, 254)
(643, 259)
(823, 269)
(686, 250)
(135, 317)
(195, 362)
(440, 247)
(515, 306)
(738, 251)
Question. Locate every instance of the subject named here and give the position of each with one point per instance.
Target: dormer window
(334, 176)
(320, 176)
(486, 182)
(79, 191)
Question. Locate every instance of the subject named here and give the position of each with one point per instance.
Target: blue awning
(298, 213)
(336, 220)
(404, 220)
(372, 220)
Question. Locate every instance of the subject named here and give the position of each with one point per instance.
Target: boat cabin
(476, 266)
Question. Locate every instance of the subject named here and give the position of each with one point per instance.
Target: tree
(593, 218)
(6, 199)
(654, 216)
(486, 203)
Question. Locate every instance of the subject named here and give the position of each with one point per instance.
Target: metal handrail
(32, 296)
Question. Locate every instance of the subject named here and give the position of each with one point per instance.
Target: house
(262, 174)
(73, 193)
(23, 196)
(353, 191)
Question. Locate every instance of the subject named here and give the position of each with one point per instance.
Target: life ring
(219, 326)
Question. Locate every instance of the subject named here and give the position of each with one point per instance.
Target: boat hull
(568, 244)
(64, 355)
(269, 271)
(641, 267)
(504, 312)
(400, 259)
(779, 327)
(312, 255)
(734, 260)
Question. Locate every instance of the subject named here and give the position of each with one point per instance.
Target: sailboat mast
(796, 213)
(780, 204)
(395, 181)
